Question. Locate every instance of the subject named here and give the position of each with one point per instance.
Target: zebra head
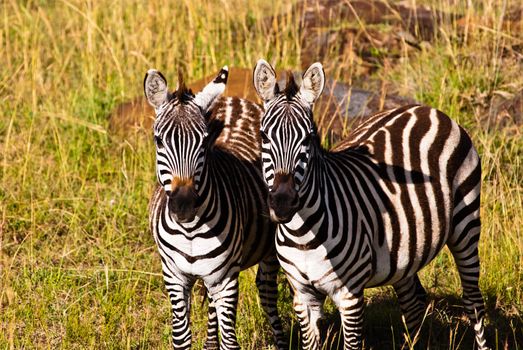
(181, 137)
(287, 131)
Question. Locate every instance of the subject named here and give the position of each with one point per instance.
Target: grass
(78, 266)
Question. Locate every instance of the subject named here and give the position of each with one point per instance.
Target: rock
(239, 84)
(342, 106)
(506, 113)
(369, 29)
(369, 48)
(338, 103)
(130, 118)
(512, 23)
(420, 21)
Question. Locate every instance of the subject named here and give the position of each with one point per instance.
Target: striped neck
(313, 185)
(207, 198)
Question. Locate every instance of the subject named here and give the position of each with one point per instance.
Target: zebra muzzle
(283, 198)
(182, 203)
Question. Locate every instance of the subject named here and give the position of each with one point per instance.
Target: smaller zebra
(209, 215)
(370, 212)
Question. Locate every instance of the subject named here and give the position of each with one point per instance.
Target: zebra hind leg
(412, 299)
(463, 241)
(212, 343)
(467, 261)
(267, 283)
(463, 244)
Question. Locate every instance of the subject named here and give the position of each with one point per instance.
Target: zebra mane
(291, 87)
(183, 93)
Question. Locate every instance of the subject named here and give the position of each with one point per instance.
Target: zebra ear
(155, 88)
(264, 80)
(211, 91)
(312, 83)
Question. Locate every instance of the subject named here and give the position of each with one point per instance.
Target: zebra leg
(309, 310)
(266, 281)
(412, 298)
(212, 343)
(467, 261)
(225, 297)
(180, 297)
(350, 305)
(463, 244)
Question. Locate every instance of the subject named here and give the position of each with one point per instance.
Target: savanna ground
(78, 266)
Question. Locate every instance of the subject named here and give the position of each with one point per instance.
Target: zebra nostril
(295, 201)
(282, 198)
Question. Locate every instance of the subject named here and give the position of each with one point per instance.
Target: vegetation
(78, 266)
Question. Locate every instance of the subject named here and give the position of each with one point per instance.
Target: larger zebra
(209, 216)
(373, 211)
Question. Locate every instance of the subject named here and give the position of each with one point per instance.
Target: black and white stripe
(373, 211)
(209, 215)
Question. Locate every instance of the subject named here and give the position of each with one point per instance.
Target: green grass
(78, 266)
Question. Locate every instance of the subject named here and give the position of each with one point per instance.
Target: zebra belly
(413, 229)
(415, 251)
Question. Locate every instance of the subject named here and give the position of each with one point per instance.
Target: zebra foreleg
(309, 311)
(225, 297)
(180, 297)
(412, 298)
(266, 281)
(212, 343)
(351, 306)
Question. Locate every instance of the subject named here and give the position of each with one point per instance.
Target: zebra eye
(158, 142)
(206, 140)
(205, 137)
(307, 139)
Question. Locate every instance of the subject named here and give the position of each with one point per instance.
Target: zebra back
(236, 123)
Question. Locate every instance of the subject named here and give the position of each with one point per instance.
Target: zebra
(208, 214)
(370, 212)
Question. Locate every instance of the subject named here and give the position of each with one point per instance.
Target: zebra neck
(314, 171)
(313, 185)
(327, 207)
(207, 191)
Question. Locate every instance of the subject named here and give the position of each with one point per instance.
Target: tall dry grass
(78, 267)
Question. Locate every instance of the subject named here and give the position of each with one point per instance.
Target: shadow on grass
(445, 327)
